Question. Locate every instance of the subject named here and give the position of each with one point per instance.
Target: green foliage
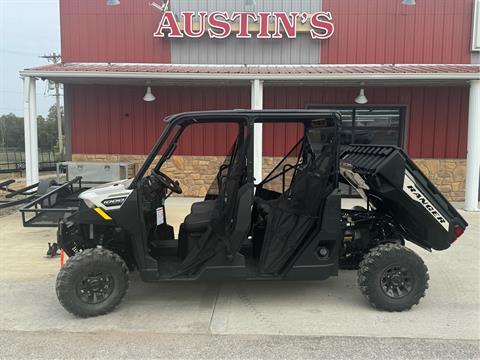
(11, 131)
(12, 134)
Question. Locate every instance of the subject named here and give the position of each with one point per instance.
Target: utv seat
(192, 228)
(203, 206)
(214, 213)
(197, 222)
(209, 205)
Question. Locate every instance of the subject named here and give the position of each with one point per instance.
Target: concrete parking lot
(237, 319)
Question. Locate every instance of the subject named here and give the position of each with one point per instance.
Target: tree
(12, 132)
(48, 130)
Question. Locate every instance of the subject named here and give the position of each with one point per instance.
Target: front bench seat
(209, 205)
(203, 206)
(222, 208)
(194, 225)
(197, 222)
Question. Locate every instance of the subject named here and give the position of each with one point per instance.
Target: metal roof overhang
(346, 75)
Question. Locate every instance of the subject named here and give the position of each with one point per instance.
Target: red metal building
(418, 66)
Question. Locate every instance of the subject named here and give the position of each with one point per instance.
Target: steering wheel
(167, 182)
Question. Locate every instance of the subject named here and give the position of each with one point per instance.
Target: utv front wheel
(92, 283)
(392, 277)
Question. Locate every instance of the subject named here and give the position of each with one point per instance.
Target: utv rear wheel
(392, 277)
(92, 283)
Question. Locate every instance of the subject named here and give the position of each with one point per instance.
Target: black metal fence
(13, 160)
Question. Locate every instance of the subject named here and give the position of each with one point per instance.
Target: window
(370, 125)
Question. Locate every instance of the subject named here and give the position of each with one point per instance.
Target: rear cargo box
(393, 184)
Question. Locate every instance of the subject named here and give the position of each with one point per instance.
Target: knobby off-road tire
(92, 283)
(392, 277)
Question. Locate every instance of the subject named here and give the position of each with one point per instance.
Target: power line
(15, 52)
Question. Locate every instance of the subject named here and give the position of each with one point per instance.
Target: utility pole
(59, 118)
(55, 59)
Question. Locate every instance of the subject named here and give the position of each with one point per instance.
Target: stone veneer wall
(447, 174)
(196, 173)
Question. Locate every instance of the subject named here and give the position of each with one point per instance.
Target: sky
(28, 29)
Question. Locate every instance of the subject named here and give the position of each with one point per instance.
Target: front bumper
(69, 237)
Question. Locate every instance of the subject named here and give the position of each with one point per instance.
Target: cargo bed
(391, 182)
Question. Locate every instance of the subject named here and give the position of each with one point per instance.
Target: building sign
(262, 25)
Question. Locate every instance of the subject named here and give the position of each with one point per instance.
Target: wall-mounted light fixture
(165, 6)
(149, 97)
(361, 98)
(409, 2)
(113, 2)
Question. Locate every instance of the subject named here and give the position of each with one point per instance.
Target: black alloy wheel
(92, 283)
(396, 282)
(95, 287)
(392, 277)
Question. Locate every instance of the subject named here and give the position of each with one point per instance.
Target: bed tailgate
(392, 183)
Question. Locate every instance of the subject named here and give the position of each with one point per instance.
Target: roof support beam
(30, 128)
(473, 149)
(257, 104)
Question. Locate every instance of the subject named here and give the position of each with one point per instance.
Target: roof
(262, 72)
(288, 115)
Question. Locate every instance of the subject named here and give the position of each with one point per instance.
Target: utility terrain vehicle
(290, 226)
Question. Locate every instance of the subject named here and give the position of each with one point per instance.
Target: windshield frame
(155, 150)
(181, 123)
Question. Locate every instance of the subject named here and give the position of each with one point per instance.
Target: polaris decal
(412, 190)
(114, 202)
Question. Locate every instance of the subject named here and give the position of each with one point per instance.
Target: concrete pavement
(237, 314)
(121, 345)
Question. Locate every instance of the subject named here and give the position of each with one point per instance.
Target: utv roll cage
(182, 120)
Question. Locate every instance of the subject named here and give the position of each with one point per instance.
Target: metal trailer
(16, 197)
(57, 202)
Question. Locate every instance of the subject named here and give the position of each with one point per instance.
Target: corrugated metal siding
(302, 50)
(91, 31)
(437, 117)
(387, 32)
(373, 31)
(115, 120)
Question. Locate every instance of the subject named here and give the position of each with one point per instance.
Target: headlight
(89, 204)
